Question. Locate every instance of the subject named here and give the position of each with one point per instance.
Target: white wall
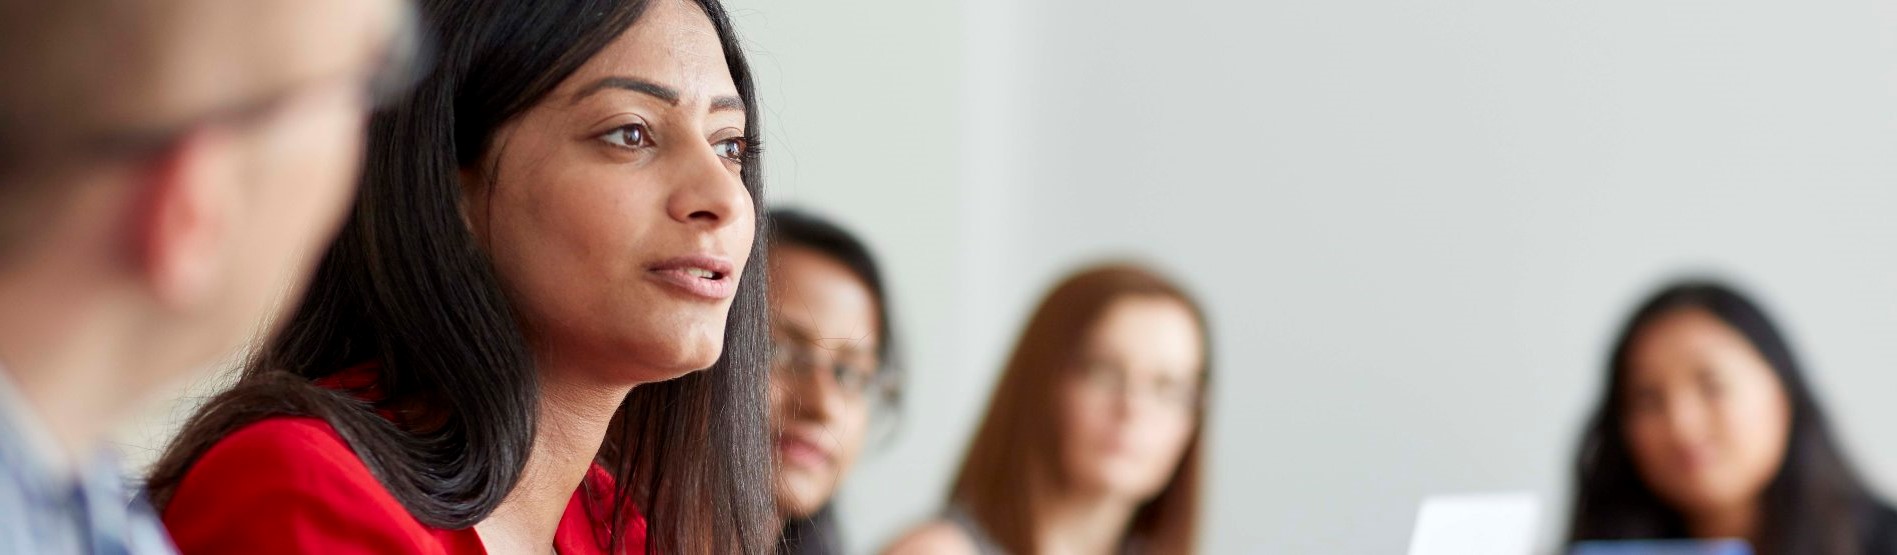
(1416, 223)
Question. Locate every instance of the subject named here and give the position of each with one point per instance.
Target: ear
(474, 201)
(183, 218)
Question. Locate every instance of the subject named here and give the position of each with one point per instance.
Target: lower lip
(710, 289)
(801, 454)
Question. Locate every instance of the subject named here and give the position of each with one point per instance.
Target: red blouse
(292, 485)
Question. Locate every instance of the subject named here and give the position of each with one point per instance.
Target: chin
(795, 502)
(701, 358)
(678, 357)
(1131, 482)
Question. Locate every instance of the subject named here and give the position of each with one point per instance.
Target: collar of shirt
(64, 507)
(27, 444)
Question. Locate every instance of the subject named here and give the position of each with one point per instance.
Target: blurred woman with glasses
(833, 370)
(1092, 439)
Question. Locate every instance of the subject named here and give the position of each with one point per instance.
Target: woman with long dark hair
(835, 374)
(1709, 431)
(1092, 439)
(554, 250)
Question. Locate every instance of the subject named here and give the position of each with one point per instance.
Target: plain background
(1416, 225)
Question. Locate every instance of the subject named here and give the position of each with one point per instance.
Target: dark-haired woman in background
(1709, 431)
(1092, 439)
(835, 370)
(554, 249)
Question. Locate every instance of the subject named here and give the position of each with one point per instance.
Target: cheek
(310, 168)
(1172, 431)
(852, 431)
(1649, 442)
(315, 162)
(581, 215)
(1074, 428)
(1757, 423)
(779, 396)
(567, 239)
(1166, 435)
(1080, 418)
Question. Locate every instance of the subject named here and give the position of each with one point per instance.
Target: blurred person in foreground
(168, 171)
(1708, 431)
(1092, 439)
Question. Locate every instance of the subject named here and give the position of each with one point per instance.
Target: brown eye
(630, 136)
(731, 149)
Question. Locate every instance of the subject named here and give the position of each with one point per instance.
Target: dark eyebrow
(661, 92)
(724, 103)
(656, 90)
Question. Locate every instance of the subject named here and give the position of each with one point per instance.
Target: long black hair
(406, 286)
(819, 532)
(1812, 506)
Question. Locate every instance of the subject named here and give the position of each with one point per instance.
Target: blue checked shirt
(46, 509)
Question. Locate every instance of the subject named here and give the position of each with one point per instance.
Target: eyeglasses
(1114, 379)
(858, 379)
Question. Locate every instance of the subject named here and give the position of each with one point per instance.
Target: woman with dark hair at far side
(555, 249)
(1709, 431)
(835, 375)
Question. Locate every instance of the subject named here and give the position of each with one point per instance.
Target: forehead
(1684, 340)
(819, 295)
(1149, 331)
(673, 44)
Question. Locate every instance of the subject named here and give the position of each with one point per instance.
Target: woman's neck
(1739, 521)
(1083, 524)
(567, 438)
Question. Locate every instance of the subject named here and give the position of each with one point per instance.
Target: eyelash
(644, 136)
(747, 148)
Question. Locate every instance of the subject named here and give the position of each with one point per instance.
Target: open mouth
(702, 273)
(704, 277)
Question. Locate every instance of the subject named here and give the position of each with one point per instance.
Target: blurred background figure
(168, 168)
(1091, 441)
(1708, 430)
(835, 371)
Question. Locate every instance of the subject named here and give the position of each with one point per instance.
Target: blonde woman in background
(1091, 443)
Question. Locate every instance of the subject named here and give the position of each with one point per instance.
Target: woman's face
(1705, 417)
(1129, 406)
(824, 374)
(613, 211)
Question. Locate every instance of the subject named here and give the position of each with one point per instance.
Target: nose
(1685, 417)
(1130, 400)
(707, 192)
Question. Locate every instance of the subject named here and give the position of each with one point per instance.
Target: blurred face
(825, 374)
(1706, 419)
(1129, 408)
(614, 212)
(293, 170)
